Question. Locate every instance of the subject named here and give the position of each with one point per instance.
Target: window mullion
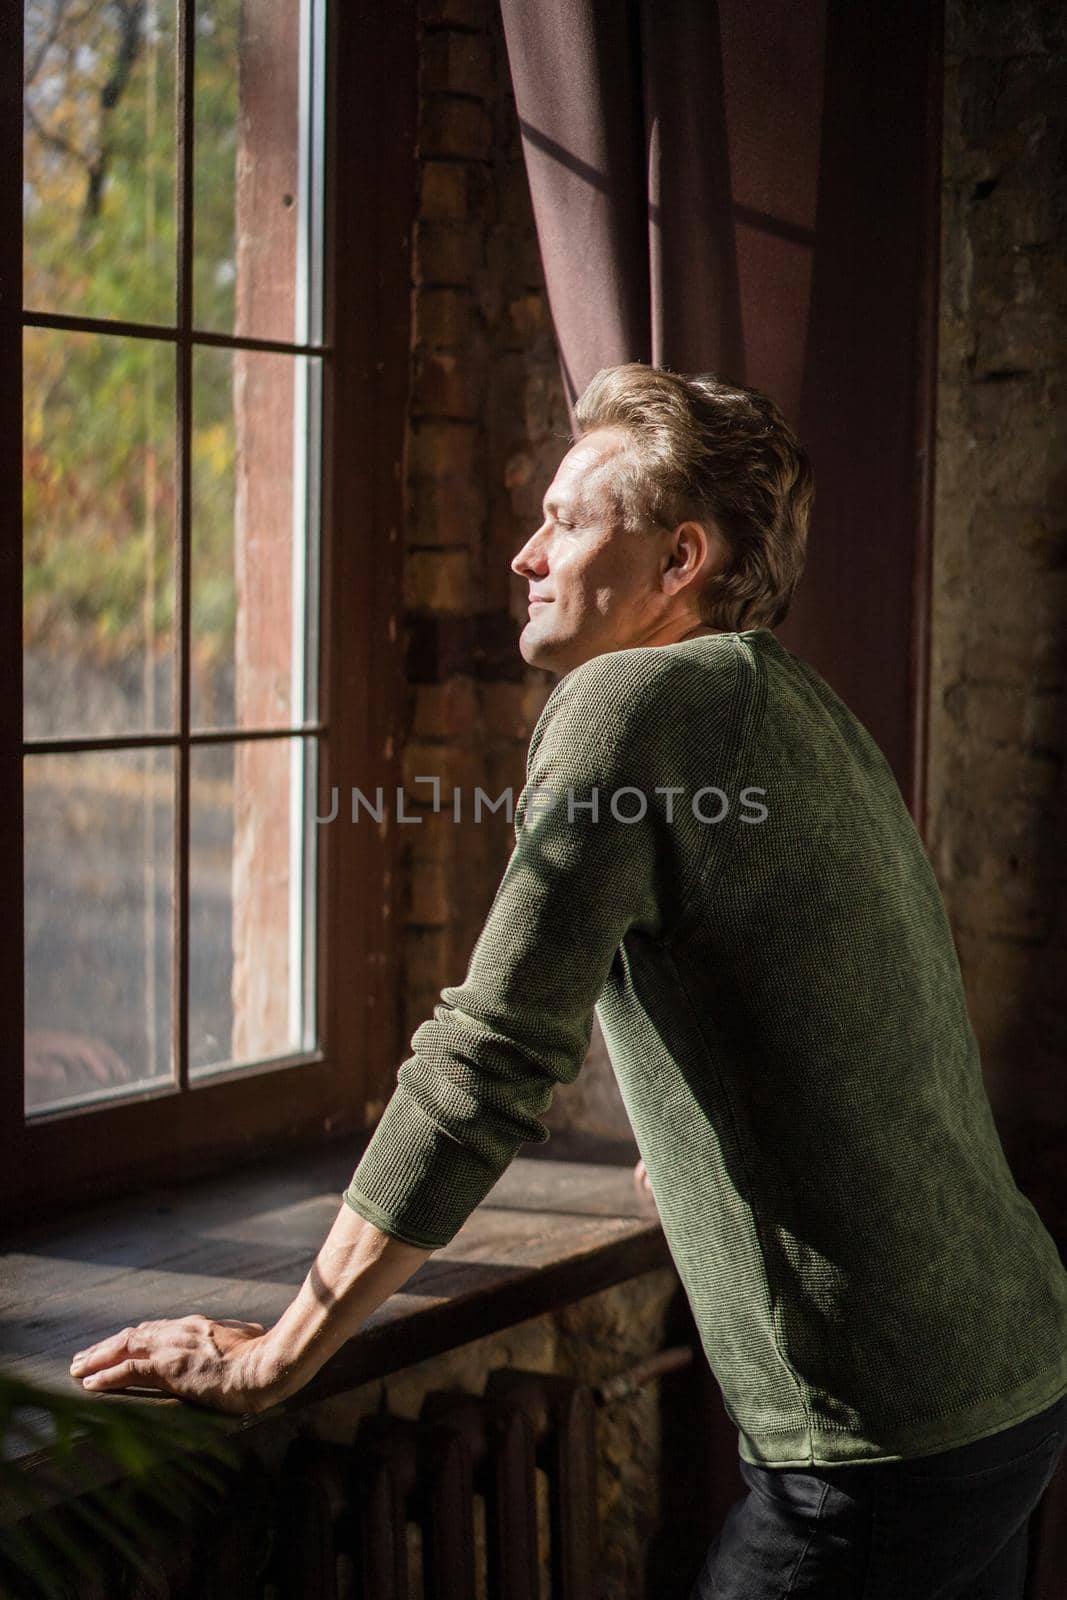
(70, 323)
(185, 79)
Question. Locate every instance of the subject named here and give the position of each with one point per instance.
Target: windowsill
(557, 1227)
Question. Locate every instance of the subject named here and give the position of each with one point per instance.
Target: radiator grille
(480, 1498)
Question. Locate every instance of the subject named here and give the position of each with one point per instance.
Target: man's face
(594, 586)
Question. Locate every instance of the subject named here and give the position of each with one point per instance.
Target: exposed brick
(445, 709)
(429, 901)
(455, 765)
(508, 379)
(460, 13)
(490, 298)
(496, 578)
(450, 513)
(455, 128)
(1005, 905)
(1012, 28)
(529, 268)
(514, 208)
(447, 252)
(443, 450)
(507, 531)
(438, 580)
(529, 316)
(512, 709)
(514, 256)
(484, 370)
(505, 769)
(460, 63)
(424, 993)
(1044, 720)
(997, 734)
(445, 190)
(448, 384)
(443, 316)
(439, 644)
(1002, 774)
(428, 846)
(990, 712)
(429, 843)
(426, 954)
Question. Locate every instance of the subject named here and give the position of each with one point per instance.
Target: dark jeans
(950, 1526)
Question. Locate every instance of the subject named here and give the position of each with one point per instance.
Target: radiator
(482, 1497)
(489, 1497)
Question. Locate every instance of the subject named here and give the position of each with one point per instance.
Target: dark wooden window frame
(51, 1162)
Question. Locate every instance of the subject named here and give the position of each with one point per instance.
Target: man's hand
(643, 1182)
(223, 1364)
(241, 1367)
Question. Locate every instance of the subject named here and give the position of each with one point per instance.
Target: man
(712, 851)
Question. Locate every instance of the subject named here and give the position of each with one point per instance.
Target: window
(200, 956)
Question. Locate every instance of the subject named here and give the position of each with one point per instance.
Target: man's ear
(687, 556)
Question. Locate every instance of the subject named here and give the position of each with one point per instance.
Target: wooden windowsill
(557, 1227)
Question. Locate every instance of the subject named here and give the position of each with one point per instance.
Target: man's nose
(531, 558)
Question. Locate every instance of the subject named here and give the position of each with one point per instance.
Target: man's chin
(539, 650)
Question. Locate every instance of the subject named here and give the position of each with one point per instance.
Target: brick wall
(488, 427)
(1000, 607)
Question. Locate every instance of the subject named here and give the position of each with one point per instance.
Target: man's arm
(486, 1064)
(240, 1367)
(571, 890)
(357, 1269)
(589, 864)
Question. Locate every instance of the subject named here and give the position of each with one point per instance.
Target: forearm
(356, 1270)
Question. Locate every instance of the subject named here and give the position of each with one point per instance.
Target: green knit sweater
(753, 917)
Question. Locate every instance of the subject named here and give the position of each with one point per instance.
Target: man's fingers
(133, 1371)
(104, 1353)
(139, 1340)
(179, 1355)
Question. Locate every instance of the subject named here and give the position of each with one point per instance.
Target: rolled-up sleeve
(587, 866)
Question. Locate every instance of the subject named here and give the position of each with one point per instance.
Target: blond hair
(711, 452)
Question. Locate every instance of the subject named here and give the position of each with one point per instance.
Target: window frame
(168, 1135)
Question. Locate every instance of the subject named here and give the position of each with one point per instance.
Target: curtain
(750, 188)
(628, 166)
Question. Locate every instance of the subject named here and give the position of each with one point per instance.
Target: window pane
(257, 167)
(255, 520)
(99, 917)
(98, 574)
(251, 923)
(100, 158)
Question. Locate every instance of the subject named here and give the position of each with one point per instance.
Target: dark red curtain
(627, 160)
(751, 189)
